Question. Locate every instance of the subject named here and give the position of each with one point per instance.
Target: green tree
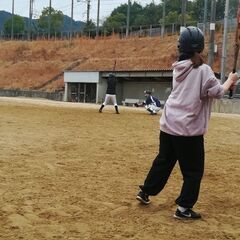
(172, 17)
(56, 20)
(89, 28)
(152, 14)
(198, 9)
(173, 6)
(140, 20)
(136, 9)
(115, 21)
(118, 17)
(18, 25)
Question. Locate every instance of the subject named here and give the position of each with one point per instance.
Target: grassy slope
(27, 65)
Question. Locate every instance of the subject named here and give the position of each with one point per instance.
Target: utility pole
(205, 17)
(71, 25)
(80, 27)
(163, 18)
(224, 47)
(183, 19)
(212, 33)
(128, 18)
(30, 20)
(49, 19)
(88, 11)
(98, 12)
(12, 19)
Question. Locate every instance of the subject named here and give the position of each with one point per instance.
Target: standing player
(183, 124)
(152, 104)
(111, 93)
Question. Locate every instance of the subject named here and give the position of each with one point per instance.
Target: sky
(21, 7)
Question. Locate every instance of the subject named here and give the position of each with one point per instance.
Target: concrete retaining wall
(221, 106)
(57, 96)
(226, 106)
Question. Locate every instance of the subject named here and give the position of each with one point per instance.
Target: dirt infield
(68, 172)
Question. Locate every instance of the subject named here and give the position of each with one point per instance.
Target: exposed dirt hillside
(29, 65)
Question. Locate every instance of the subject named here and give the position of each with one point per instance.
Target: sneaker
(143, 198)
(187, 214)
(100, 110)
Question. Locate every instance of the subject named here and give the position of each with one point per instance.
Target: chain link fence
(134, 31)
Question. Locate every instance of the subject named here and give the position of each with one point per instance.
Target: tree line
(51, 20)
(152, 14)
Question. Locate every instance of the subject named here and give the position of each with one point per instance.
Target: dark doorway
(83, 92)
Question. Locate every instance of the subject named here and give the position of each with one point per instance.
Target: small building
(90, 86)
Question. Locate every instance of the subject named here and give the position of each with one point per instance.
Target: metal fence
(139, 31)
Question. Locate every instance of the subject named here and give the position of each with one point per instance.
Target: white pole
(163, 18)
(12, 19)
(128, 18)
(212, 33)
(71, 25)
(205, 17)
(224, 47)
(98, 12)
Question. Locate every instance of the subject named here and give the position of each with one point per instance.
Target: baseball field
(68, 172)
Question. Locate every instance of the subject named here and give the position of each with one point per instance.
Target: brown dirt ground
(68, 172)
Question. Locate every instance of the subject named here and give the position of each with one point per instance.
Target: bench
(131, 101)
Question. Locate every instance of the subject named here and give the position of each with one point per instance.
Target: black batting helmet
(191, 40)
(147, 92)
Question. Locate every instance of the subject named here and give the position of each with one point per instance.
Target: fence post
(172, 28)
(150, 31)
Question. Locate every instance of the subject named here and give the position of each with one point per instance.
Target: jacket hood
(182, 69)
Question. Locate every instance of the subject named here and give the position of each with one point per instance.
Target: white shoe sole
(142, 201)
(185, 218)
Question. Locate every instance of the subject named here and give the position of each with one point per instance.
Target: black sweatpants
(189, 151)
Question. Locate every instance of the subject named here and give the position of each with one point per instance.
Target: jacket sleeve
(211, 86)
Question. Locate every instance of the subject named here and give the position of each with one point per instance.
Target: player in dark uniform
(110, 93)
(152, 104)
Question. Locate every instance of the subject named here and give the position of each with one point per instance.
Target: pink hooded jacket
(188, 108)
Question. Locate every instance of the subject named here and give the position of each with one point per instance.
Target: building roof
(124, 64)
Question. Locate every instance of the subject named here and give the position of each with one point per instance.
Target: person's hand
(234, 78)
(231, 82)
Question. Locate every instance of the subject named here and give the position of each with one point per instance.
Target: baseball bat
(114, 66)
(236, 48)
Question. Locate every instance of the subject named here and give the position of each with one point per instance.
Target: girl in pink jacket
(183, 124)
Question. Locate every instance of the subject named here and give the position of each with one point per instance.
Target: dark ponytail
(197, 60)
(185, 56)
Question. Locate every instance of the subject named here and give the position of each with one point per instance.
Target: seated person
(152, 104)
